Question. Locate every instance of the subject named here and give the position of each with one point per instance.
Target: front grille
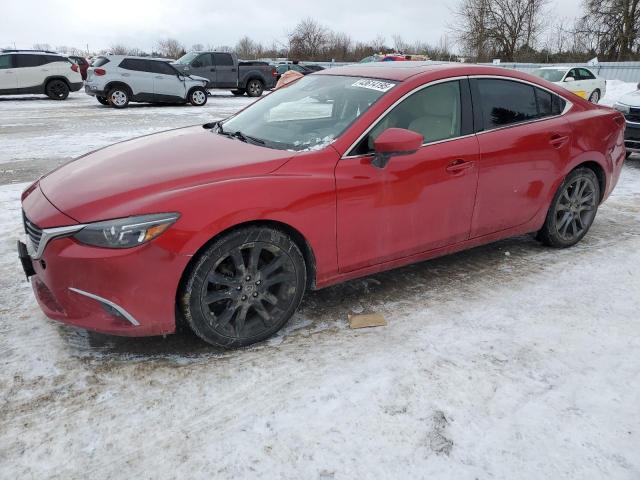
(633, 115)
(33, 231)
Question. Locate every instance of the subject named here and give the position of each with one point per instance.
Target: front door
(31, 70)
(418, 202)
(524, 146)
(202, 66)
(166, 84)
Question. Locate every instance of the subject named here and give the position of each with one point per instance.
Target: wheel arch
(600, 174)
(117, 83)
(52, 78)
(296, 236)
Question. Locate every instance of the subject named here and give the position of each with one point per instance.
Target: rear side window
(504, 102)
(100, 61)
(222, 59)
(25, 61)
(558, 105)
(53, 58)
(5, 61)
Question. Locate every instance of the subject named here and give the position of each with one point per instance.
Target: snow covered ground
(509, 361)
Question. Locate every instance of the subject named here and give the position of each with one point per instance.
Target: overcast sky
(140, 23)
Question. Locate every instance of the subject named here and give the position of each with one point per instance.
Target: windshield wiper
(244, 138)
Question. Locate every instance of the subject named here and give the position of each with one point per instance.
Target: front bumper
(130, 292)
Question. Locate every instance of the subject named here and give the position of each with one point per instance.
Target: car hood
(632, 99)
(126, 175)
(197, 78)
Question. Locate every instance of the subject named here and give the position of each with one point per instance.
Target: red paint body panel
(356, 219)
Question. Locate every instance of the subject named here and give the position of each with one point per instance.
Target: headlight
(621, 108)
(126, 232)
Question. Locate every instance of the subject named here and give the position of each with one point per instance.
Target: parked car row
(579, 80)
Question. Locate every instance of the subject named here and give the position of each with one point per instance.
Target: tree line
(481, 30)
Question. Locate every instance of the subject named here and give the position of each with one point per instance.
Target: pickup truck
(225, 71)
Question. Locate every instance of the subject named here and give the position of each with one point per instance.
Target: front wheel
(255, 88)
(595, 96)
(573, 209)
(198, 97)
(57, 90)
(244, 287)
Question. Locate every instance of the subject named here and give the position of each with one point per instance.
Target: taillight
(274, 72)
(99, 71)
(74, 67)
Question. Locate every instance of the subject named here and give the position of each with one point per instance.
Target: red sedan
(344, 173)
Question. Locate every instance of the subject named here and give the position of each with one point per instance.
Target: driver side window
(203, 60)
(434, 112)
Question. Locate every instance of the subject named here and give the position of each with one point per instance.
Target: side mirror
(181, 76)
(187, 68)
(569, 79)
(395, 141)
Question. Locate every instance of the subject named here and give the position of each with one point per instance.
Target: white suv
(117, 80)
(31, 71)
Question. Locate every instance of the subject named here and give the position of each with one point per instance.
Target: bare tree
(499, 27)
(170, 48)
(611, 26)
(378, 44)
(246, 48)
(41, 46)
(307, 40)
(118, 49)
(197, 47)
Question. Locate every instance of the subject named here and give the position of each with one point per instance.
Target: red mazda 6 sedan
(342, 174)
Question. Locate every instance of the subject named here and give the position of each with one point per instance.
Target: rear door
(524, 143)
(166, 84)
(31, 71)
(138, 75)
(226, 71)
(8, 76)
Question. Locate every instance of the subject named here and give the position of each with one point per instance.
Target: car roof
(30, 52)
(400, 71)
(115, 57)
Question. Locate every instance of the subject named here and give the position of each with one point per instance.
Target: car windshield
(186, 58)
(549, 74)
(308, 114)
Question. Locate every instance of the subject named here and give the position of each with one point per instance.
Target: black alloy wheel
(244, 287)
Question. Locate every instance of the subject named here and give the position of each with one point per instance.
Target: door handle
(557, 140)
(213, 69)
(458, 166)
(126, 74)
(233, 70)
(159, 77)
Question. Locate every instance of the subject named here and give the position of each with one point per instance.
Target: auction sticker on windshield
(374, 85)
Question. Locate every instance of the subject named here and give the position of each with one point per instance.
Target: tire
(595, 96)
(198, 97)
(238, 93)
(573, 209)
(118, 97)
(244, 287)
(102, 100)
(255, 88)
(57, 89)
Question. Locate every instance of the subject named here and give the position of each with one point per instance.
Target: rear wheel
(118, 97)
(238, 93)
(573, 209)
(198, 97)
(255, 88)
(595, 96)
(244, 287)
(102, 100)
(57, 90)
